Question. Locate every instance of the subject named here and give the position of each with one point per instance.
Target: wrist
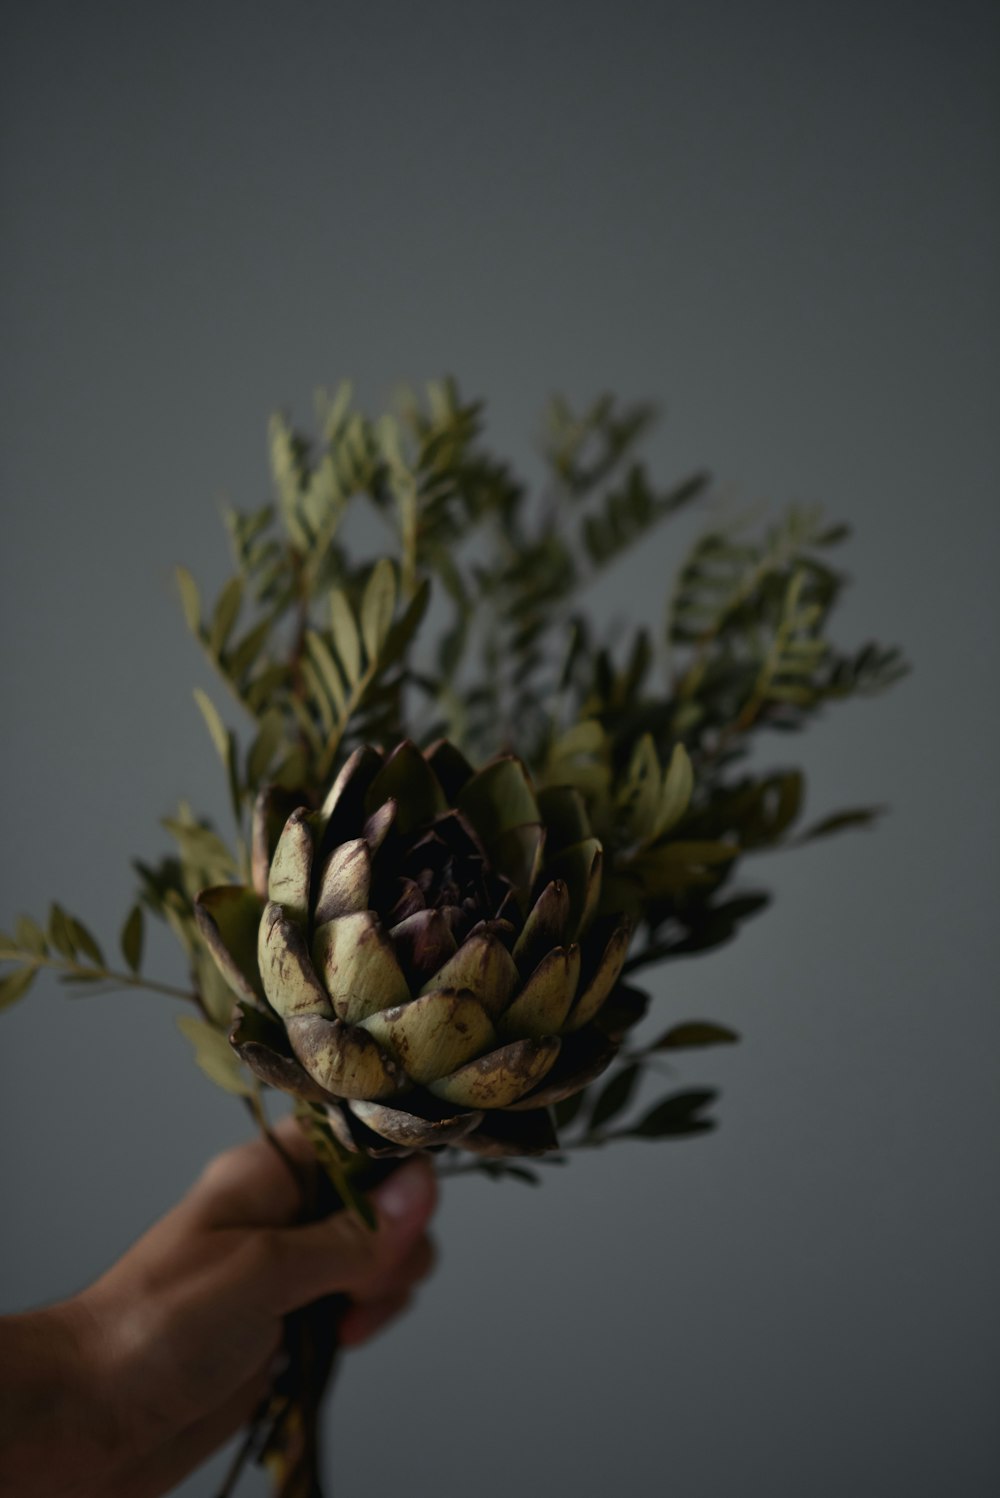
(57, 1432)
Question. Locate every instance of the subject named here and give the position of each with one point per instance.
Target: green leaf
(215, 1055)
(861, 816)
(15, 985)
(225, 614)
(378, 606)
(676, 1116)
(190, 601)
(265, 746)
(693, 1034)
(345, 635)
(132, 939)
(85, 942)
(61, 932)
(678, 783)
(217, 729)
(406, 626)
(615, 1097)
(8, 947)
(328, 670)
(30, 937)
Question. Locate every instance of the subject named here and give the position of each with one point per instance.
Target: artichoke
(425, 956)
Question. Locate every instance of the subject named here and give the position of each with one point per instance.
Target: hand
(122, 1391)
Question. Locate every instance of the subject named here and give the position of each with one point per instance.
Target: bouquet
(462, 822)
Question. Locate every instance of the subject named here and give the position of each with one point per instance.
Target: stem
(99, 974)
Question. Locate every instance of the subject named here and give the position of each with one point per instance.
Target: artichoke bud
(428, 959)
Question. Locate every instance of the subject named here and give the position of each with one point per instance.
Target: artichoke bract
(425, 955)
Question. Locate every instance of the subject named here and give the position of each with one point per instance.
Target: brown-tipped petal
(291, 867)
(228, 918)
(483, 965)
(407, 778)
(500, 1078)
(544, 1001)
(545, 927)
(505, 1134)
(289, 979)
(272, 808)
(355, 776)
(376, 829)
(498, 797)
(604, 979)
(564, 815)
(450, 766)
(583, 1057)
(517, 854)
(344, 1059)
(264, 1048)
(358, 966)
(423, 942)
(434, 1034)
(345, 881)
(413, 1129)
(580, 865)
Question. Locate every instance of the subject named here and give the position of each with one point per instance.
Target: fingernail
(407, 1192)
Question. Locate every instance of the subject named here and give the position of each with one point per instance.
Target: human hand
(126, 1388)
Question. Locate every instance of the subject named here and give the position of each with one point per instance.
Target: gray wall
(781, 220)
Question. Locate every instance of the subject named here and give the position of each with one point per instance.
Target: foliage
(319, 650)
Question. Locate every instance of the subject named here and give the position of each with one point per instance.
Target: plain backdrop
(780, 221)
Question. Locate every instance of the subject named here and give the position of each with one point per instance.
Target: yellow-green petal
(358, 966)
(434, 1034)
(544, 1002)
(501, 1077)
(290, 981)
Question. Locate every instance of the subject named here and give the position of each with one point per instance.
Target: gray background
(779, 220)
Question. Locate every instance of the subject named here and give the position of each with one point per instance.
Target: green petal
(291, 867)
(503, 1134)
(450, 766)
(228, 918)
(407, 778)
(434, 1034)
(271, 811)
(583, 1057)
(377, 827)
(580, 865)
(263, 1046)
(498, 798)
(517, 855)
(342, 1058)
(501, 1077)
(607, 975)
(483, 965)
(358, 769)
(412, 1129)
(545, 926)
(565, 816)
(345, 881)
(544, 1002)
(290, 982)
(358, 966)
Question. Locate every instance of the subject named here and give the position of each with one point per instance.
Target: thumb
(341, 1254)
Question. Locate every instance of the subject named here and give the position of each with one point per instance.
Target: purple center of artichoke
(443, 868)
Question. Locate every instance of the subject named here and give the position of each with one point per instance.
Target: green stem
(98, 974)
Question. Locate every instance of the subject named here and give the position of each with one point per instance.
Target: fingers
(253, 1185)
(361, 1322)
(341, 1254)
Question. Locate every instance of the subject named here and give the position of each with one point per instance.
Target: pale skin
(123, 1390)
